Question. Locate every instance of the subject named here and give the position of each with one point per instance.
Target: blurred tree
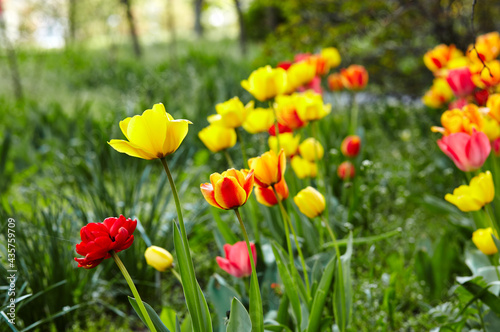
(72, 20)
(11, 57)
(171, 27)
(241, 22)
(132, 28)
(198, 27)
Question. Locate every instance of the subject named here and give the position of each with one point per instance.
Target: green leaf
(239, 320)
(320, 296)
(160, 327)
(9, 324)
(195, 300)
(342, 290)
(256, 311)
(168, 316)
(290, 286)
(220, 295)
(497, 241)
(471, 284)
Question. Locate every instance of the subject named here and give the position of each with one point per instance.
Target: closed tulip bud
(288, 142)
(152, 135)
(332, 56)
(259, 120)
(231, 113)
(335, 82)
(266, 196)
(483, 240)
(217, 138)
(269, 168)
(159, 258)
(237, 260)
(228, 190)
(477, 194)
(350, 146)
(310, 202)
(460, 81)
(266, 83)
(439, 57)
(346, 170)
(468, 152)
(355, 77)
(304, 168)
(311, 150)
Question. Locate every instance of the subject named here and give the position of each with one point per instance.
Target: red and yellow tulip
(228, 190)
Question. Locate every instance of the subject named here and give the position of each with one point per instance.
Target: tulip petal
(229, 194)
(248, 183)
(124, 126)
(265, 196)
(208, 192)
(228, 267)
(130, 149)
(147, 131)
(176, 132)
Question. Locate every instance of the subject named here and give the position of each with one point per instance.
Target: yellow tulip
(288, 143)
(310, 106)
(217, 138)
(477, 194)
(299, 74)
(152, 135)
(439, 94)
(483, 240)
(310, 202)
(439, 57)
(493, 105)
(159, 258)
(491, 128)
(332, 56)
(304, 168)
(259, 120)
(266, 83)
(311, 149)
(231, 113)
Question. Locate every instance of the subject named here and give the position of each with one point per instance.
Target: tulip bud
(335, 82)
(483, 240)
(311, 150)
(346, 170)
(310, 202)
(159, 258)
(350, 146)
(217, 138)
(355, 77)
(496, 147)
(237, 260)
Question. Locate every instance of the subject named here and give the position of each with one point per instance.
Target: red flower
(98, 239)
(350, 146)
(346, 170)
(460, 81)
(237, 261)
(266, 196)
(281, 127)
(468, 152)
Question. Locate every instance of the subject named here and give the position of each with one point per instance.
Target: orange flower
(286, 111)
(439, 56)
(266, 196)
(493, 104)
(355, 77)
(487, 47)
(269, 168)
(228, 190)
(335, 82)
(464, 120)
(439, 94)
(483, 77)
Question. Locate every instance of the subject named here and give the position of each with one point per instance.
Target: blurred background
(70, 70)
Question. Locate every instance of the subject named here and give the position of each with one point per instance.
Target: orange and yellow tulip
(487, 47)
(266, 195)
(310, 202)
(335, 82)
(286, 111)
(228, 190)
(462, 121)
(439, 56)
(350, 146)
(269, 168)
(217, 138)
(484, 77)
(355, 77)
(483, 240)
(266, 83)
(152, 135)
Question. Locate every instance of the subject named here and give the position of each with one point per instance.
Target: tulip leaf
(276, 327)
(475, 286)
(290, 286)
(239, 320)
(224, 229)
(496, 241)
(168, 316)
(195, 299)
(320, 296)
(220, 295)
(342, 290)
(160, 327)
(256, 311)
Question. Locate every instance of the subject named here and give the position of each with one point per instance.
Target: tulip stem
(131, 284)
(242, 145)
(276, 127)
(491, 217)
(354, 114)
(176, 275)
(286, 219)
(339, 260)
(228, 158)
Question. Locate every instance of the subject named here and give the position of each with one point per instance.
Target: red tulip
(314, 85)
(355, 77)
(460, 81)
(496, 147)
(350, 146)
(237, 261)
(481, 97)
(228, 190)
(266, 196)
(346, 170)
(98, 239)
(468, 152)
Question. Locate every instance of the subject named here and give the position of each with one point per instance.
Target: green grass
(59, 174)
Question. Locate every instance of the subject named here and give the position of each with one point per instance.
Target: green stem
(339, 261)
(228, 158)
(245, 235)
(491, 217)
(286, 219)
(354, 114)
(176, 275)
(131, 284)
(192, 281)
(368, 239)
(242, 145)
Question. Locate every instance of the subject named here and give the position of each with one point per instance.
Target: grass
(58, 174)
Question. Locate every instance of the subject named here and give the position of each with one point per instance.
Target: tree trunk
(171, 27)
(132, 28)
(72, 20)
(198, 28)
(12, 60)
(241, 21)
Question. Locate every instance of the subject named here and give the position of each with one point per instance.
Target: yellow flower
(491, 128)
(310, 202)
(288, 143)
(483, 240)
(310, 106)
(231, 113)
(159, 258)
(304, 168)
(311, 149)
(266, 83)
(299, 74)
(493, 104)
(332, 56)
(487, 47)
(439, 57)
(259, 120)
(477, 194)
(152, 135)
(439, 94)
(217, 138)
